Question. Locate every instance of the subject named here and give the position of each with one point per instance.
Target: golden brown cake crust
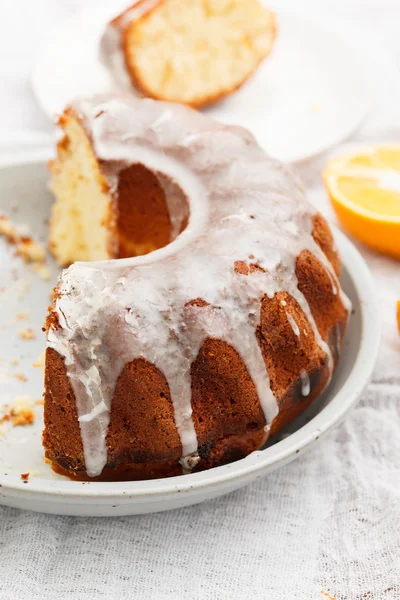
(143, 441)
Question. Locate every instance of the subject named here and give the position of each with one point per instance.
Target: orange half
(364, 188)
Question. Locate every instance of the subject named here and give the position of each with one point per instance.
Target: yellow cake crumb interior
(212, 45)
(80, 215)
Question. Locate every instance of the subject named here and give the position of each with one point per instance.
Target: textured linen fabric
(325, 526)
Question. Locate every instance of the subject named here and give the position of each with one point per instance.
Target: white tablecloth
(329, 522)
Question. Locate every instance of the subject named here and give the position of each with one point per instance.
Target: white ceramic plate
(23, 186)
(312, 92)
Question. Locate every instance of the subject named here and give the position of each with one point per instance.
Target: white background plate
(24, 187)
(311, 93)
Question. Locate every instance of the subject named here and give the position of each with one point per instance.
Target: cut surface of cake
(193, 52)
(225, 324)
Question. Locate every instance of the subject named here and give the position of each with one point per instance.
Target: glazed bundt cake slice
(193, 52)
(190, 356)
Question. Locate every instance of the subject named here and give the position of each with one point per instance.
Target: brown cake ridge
(119, 206)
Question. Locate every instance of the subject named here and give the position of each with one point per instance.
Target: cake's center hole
(152, 211)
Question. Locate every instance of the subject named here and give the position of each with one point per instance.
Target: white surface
(328, 521)
(20, 448)
(299, 103)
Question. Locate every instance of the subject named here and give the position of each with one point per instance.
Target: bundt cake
(193, 52)
(187, 357)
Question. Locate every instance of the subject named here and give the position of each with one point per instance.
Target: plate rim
(332, 28)
(256, 463)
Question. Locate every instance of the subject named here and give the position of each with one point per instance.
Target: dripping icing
(338, 341)
(305, 383)
(293, 324)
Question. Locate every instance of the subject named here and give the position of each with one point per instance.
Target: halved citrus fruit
(364, 188)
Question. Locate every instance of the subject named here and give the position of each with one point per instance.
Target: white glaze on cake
(111, 52)
(305, 383)
(293, 324)
(244, 206)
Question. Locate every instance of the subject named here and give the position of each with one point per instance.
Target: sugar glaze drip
(305, 383)
(111, 44)
(149, 306)
(293, 324)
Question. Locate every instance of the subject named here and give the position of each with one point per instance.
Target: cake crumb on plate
(29, 250)
(42, 271)
(22, 316)
(20, 377)
(20, 413)
(27, 334)
(326, 596)
(40, 361)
